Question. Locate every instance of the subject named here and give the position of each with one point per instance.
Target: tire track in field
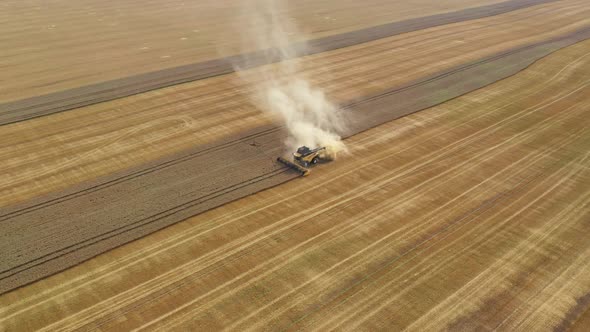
(398, 204)
(438, 264)
(382, 290)
(476, 243)
(525, 247)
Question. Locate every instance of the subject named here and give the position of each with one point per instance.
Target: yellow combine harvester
(304, 157)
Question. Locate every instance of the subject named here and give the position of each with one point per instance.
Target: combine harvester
(305, 157)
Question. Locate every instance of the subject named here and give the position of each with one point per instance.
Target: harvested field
(468, 212)
(51, 46)
(37, 106)
(92, 218)
(469, 215)
(113, 136)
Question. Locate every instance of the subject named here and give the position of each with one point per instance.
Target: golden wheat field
(460, 198)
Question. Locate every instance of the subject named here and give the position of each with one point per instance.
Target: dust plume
(281, 89)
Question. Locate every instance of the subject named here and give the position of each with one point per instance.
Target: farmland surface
(462, 203)
(472, 214)
(49, 46)
(111, 136)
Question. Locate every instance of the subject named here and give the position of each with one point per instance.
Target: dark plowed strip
(66, 100)
(63, 229)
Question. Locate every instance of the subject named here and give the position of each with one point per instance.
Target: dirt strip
(77, 224)
(69, 99)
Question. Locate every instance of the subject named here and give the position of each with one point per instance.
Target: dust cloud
(281, 89)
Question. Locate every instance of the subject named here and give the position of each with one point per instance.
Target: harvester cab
(306, 156)
(303, 158)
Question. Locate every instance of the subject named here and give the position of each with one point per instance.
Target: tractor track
(132, 175)
(136, 224)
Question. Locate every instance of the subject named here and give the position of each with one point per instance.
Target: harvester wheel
(306, 164)
(314, 160)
